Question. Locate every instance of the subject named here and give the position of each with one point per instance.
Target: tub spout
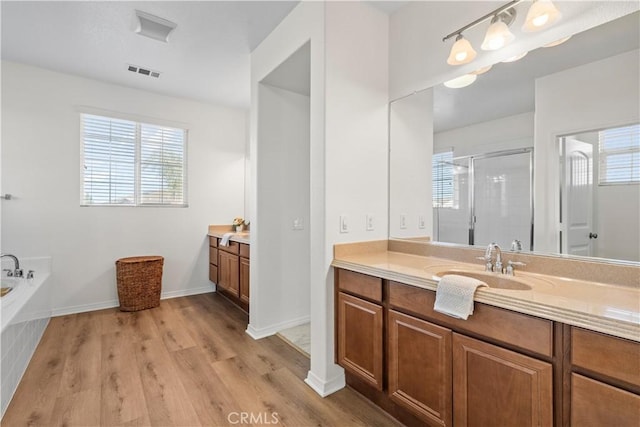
(17, 271)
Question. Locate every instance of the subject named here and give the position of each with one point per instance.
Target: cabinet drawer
(360, 284)
(244, 250)
(520, 330)
(233, 248)
(213, 273)
(614, 357)
(213, 256)
(213, 241)
(597, 404)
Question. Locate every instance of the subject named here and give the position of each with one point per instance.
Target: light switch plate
(344, 224)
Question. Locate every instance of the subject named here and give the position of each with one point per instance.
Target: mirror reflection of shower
(484, 198)
(600, 193)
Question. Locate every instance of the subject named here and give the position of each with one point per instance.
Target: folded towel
(225, 239)
(454, 295)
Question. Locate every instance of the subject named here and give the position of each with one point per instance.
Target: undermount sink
(491, 279)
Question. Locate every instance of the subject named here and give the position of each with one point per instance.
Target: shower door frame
(472, 206)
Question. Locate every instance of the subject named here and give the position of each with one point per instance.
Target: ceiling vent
(153, 26)
(144, 71)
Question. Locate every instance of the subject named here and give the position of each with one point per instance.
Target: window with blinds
(442, 180)
(619, 155)
(126, 163)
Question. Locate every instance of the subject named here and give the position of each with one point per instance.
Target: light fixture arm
(482, 19)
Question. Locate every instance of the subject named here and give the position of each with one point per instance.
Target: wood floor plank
(107, 368)
(32, 403)
(167, 401)
(252, 397)
(208, 395)
(123, 399)
(82, 365)
(77, 409)
(171, 327)
(205, 334)
(138, 325)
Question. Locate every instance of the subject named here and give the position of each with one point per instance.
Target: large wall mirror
(493, 161)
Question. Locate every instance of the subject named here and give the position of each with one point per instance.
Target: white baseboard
(325, 388)
(187, 292)
(74, 309)
(257, 333)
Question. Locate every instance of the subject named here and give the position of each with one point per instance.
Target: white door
(577, 198)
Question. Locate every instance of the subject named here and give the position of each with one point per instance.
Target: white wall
(348, 154)
(283, 196)
(41, 168)
(305, 24)
(410, 158)
(618, 222)
(594, 96)
(506, 133)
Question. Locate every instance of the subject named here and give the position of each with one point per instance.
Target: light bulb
(497, 36)
(461, 52)
(542, 14)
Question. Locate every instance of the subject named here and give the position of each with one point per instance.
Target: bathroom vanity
(229, 265)
(545, 351)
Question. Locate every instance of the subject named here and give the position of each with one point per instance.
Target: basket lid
(134, 259)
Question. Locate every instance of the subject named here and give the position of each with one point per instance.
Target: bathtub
(25, 313)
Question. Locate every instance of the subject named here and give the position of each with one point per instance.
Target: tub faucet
(487, 256)
(17, 271)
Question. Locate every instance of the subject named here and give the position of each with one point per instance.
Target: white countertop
(610, 309)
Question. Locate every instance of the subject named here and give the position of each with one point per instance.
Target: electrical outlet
(403, 221)
(298, 224)
(344, 224)
(421, 222)
(369, 222)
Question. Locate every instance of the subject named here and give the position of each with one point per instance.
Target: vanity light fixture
(542, 14)
(460, 82)
(461, 52)
(557, 42)
(516, 57)
(498, 34)
(482, 70)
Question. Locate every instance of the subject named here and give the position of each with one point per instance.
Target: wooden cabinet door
(419, 367)
(596, 404)
(229, 272)
(493, 386)
(360, 338)
(244, 279)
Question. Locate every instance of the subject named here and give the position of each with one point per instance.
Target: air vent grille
(144, 71)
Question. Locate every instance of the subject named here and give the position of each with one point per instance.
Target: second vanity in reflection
(547, 351)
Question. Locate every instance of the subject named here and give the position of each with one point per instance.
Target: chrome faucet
(497, 267)
(17, 271)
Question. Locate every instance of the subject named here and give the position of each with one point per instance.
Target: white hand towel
(225, 239)
(454, 295)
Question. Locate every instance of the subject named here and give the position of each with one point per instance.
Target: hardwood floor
(187, 362)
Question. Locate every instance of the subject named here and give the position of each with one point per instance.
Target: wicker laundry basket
(139, 282)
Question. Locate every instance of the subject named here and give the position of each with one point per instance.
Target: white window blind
(442, 179)
(619, 150)
(127, 163)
